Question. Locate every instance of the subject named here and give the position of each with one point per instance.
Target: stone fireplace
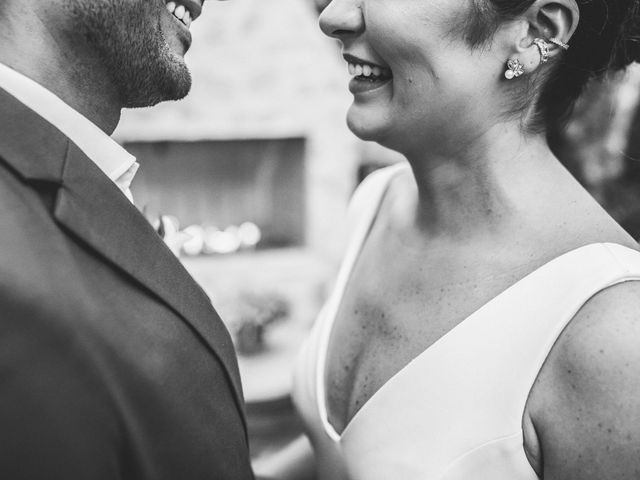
(222, 183)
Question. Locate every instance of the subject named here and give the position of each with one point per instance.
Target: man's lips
(194, 7)
(185, 10)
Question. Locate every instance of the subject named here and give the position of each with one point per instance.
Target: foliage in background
(252, 316)
(601, 148)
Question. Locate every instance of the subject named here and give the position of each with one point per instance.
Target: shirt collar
(105, 152)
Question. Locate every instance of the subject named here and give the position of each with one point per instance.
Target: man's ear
(557, 19)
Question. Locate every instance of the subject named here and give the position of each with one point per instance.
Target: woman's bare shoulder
(585, 405)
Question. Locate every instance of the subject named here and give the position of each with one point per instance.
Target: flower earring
(514, 69)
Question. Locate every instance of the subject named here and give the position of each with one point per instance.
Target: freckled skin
(593, 370)
(404, 295)
(582, 420)
(486, 204)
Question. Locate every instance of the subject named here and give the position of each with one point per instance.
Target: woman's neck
(479, 187)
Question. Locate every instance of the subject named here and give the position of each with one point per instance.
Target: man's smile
(185, 11)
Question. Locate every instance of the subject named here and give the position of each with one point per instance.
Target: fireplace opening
(225, 186)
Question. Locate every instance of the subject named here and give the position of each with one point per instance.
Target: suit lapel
(31, 146)
(94, 210)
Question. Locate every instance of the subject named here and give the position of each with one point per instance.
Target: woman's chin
(365, 128)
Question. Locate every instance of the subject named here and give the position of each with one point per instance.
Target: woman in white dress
(486, 320)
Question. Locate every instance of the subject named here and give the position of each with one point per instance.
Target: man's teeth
(365, 70)
(180, 12)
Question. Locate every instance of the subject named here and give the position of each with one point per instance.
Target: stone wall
(263, 69)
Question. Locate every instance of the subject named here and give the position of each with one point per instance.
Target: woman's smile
(398, 52)
(367, 76)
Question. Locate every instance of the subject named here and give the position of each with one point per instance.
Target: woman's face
(415, 78)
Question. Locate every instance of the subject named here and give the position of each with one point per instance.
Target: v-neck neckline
(355, 248)
(366, 223)
(322, 366)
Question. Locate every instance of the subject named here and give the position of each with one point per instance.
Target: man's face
(141, 43)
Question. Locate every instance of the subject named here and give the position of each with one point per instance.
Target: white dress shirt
(116, 163)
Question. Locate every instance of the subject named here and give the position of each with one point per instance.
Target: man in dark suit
(113, 363)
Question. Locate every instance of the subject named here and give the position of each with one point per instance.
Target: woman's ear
(546, 20)
(553, 19)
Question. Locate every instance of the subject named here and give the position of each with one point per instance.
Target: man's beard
(128, 37)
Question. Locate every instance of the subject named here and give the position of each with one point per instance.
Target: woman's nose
(342, 19)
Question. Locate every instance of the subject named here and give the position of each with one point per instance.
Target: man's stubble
(128, 37)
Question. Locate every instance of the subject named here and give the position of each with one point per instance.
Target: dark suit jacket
(113, 363)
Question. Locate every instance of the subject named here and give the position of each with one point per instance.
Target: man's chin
(165, 81)
(147, 66)
(150, 99)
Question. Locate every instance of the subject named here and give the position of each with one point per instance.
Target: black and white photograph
(319, 239)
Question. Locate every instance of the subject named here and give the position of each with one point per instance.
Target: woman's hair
(607, 39)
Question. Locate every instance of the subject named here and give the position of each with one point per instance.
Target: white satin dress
(455, 411)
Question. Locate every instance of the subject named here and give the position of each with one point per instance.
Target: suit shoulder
(54, 400)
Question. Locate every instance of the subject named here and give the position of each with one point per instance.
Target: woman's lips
(359, 85)
(368, 76)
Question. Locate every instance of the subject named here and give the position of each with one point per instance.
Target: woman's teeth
(371, 72)
(180, 12)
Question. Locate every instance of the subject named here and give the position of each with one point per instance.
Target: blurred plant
(251, 316)
(594, 145)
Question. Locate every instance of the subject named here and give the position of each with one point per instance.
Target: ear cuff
(543, 47)
(559, 43)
